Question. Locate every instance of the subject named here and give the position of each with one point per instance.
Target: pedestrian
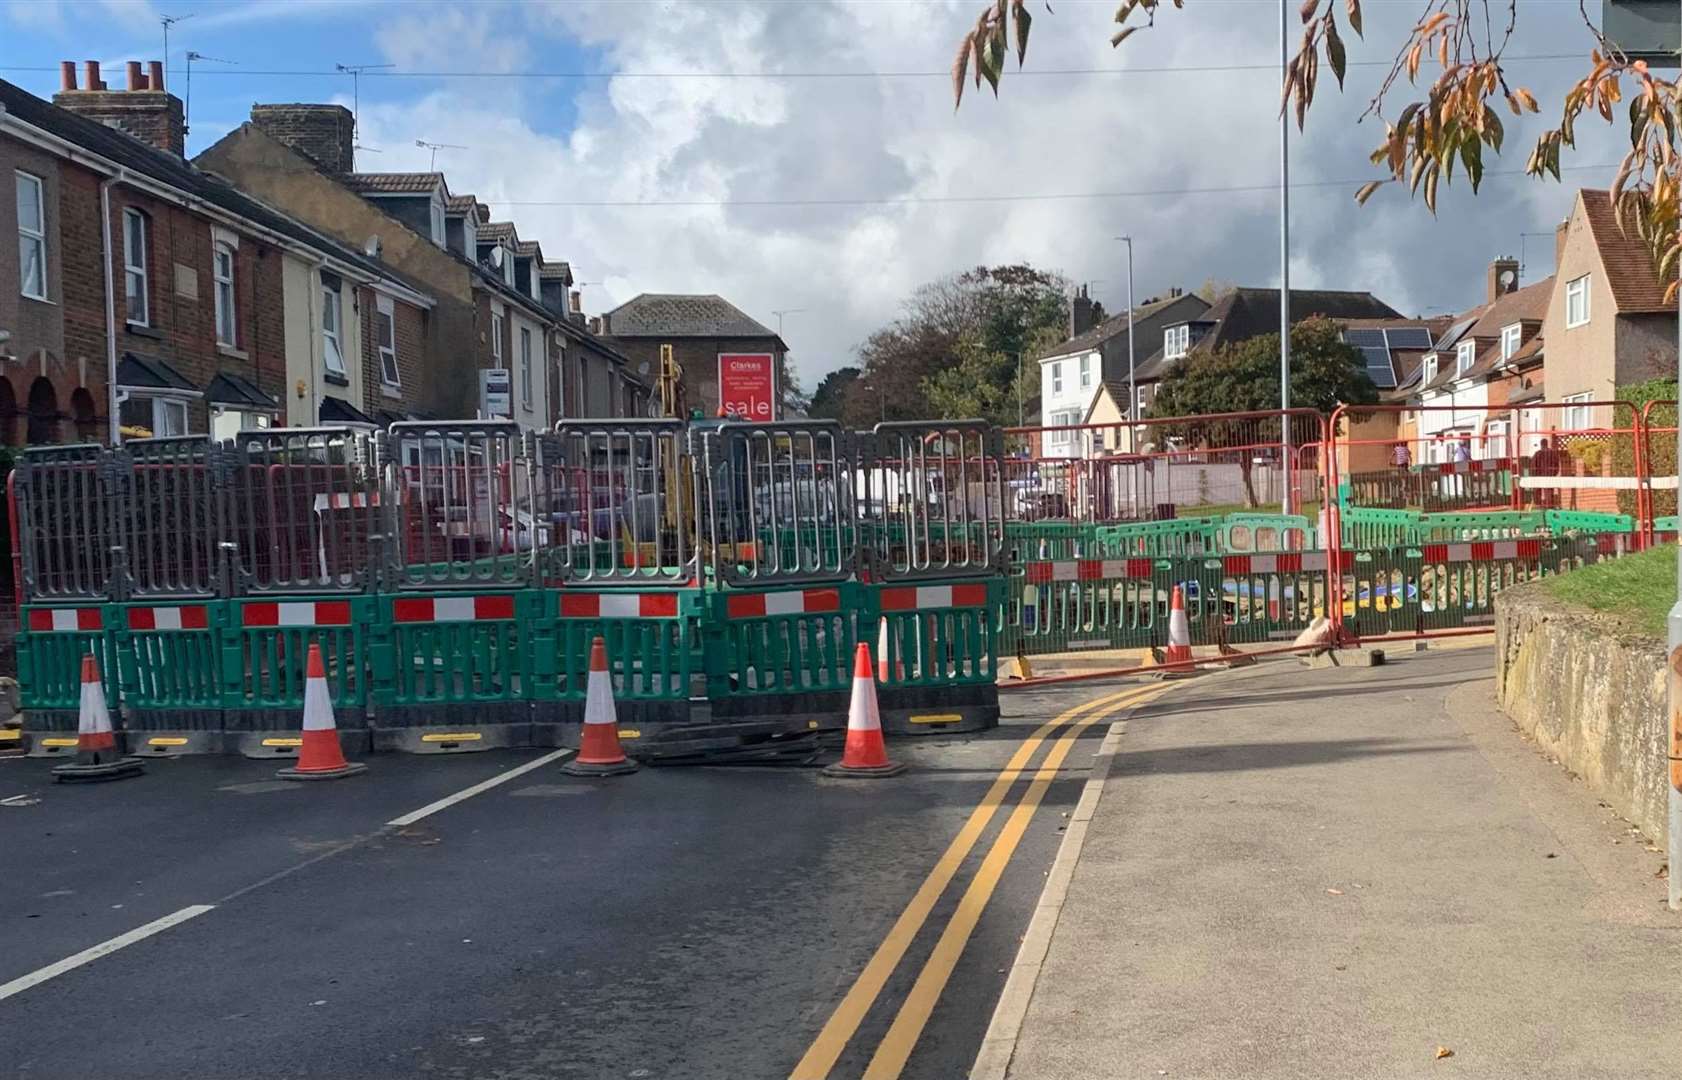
(1400, 456)
(1463, 449)
(1546, 461)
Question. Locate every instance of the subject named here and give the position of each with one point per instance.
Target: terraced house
(144, 296)
(500, 304)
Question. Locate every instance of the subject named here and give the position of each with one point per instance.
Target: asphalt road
(693, 922)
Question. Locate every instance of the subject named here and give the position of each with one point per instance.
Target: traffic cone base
(320, 757)
(97, 756)
(599, 752)
(865, 756)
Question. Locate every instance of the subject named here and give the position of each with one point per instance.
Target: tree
(830, 396)
(988, 321)
(1457, 118)
(984, 383)
(1244, 377)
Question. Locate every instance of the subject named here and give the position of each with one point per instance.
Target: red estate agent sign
(747, 386)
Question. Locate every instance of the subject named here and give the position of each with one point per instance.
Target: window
(1510, 336)
(507, 265)
(437, 223)
(228, 423)
(525, 366)
(1495, 439)
(1085, 372)
(134, 265)
(1057, 376)
(1430, 368)
(385, 330)
(1577, 301)
(32, 237)
(156, 416)
(222, 269)
(1141, 405)
(1464, 354)
(496, 340)
(332, 349)
(1578, 417)
(1063, 418)
(1176, 341)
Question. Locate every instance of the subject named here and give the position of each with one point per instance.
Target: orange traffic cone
(599, 752)
(319, 755)
(883, 674)
(96, 744)
(865, 755)
(1177, 661)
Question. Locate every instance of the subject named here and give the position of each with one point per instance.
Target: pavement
(1349, 873)
(679, 922)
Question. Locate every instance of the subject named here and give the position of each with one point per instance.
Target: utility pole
(1132, 391)
(1285, 263)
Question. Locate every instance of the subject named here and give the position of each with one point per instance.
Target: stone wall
(1591, 693)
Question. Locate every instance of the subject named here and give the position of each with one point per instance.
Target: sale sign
(747, 386)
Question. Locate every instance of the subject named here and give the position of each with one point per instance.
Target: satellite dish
(642, 368)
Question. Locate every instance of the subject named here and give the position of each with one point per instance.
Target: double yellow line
(913, 1015)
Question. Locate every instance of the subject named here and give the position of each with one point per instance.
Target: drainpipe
(110, 304)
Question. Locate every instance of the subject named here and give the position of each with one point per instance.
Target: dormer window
(1464, 354)
(1176, 341)
(1510, 337)
(1430, 368)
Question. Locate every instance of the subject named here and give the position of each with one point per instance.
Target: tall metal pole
(1285, 262)
(1132, 391)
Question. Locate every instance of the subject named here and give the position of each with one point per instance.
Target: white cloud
(673, 139)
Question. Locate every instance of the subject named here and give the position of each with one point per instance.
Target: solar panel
(1408, 337)
(1364, 338)
(1378, 367)
(1454, 334)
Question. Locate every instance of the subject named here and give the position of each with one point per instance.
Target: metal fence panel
(303, 509)
(66, 523)
(617, 498)
(169, 507)
(778, 501)
(932, 498)
(462, 508)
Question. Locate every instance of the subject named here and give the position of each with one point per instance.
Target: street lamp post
(1285, 264)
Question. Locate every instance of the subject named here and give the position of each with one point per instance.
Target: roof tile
(1629, 269)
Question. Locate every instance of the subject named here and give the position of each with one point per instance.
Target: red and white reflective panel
(296, 613)
(345, 500)
(1450, 468)
(413, 609)
(1284, 562)
(802, 602)
(1039, 573)
(934, 596)
(1483, 551)
(64, 618)
(618, 605)
(189, 617)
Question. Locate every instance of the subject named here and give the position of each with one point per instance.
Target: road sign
(747, 386)
(496, 392)
(1647, 30)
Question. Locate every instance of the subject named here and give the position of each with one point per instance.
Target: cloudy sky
(805, 154)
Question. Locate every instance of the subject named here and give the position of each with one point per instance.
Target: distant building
(698, 327)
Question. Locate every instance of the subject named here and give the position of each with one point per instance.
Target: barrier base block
(73, 773)
(938, 710)
(267, 743)
(149, 738)
(49, 733)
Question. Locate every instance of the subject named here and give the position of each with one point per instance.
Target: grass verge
(1639, 588)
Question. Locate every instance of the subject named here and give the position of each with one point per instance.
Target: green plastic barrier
(1588, 521)
(1246, 532)
(1371, 527)
(51, 641)
(1048, 616)
(650, 635)
(1477, 525)
(1173, 538)
(267, 644)
(783, 641)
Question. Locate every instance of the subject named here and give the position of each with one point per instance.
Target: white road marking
(105, 948)
(484, 785)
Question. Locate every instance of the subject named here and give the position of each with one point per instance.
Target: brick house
(215, 317)
(699, 328)
(490, 308)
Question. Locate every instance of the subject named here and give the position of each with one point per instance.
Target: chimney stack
(595, 324)
(1503, 277)
(575, 302)
(326, 134)
(143, 110)
(1080, 313)
(1561, 231)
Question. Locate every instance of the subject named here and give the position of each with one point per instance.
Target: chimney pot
(136, 81)
(576, 301)
(67, 75)
(155, 80)
(595, 324)
(92, 67)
